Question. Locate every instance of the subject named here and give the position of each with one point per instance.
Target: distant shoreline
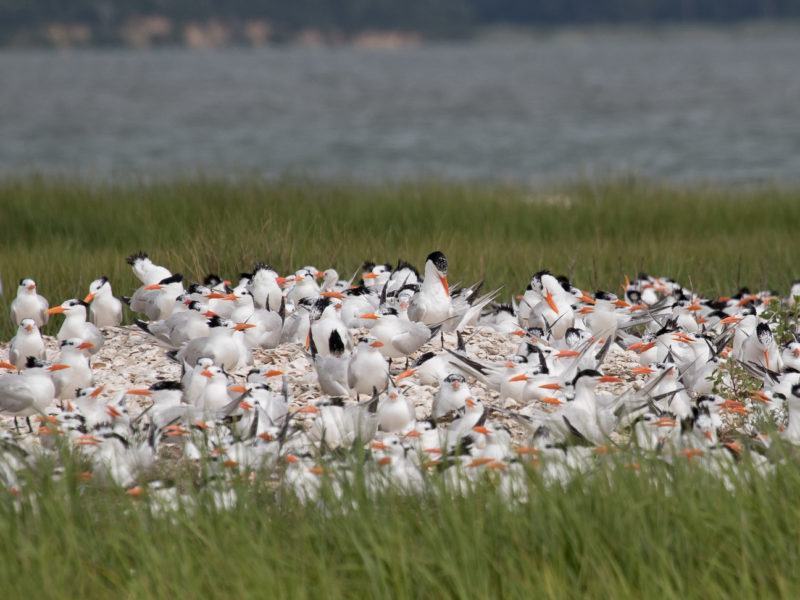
(159, 31)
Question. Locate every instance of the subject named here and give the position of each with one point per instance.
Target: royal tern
(328, 321)
(268, 323)
(452, 395)
(27, 342)
(74, 352)
(432, 304)
(264, 286)
(75, 324)
(221, 345)
(395, 413)
(367, 369)
(104, 309)
(29, 305)
(185, 323)
(332, 369)
(400, 337)
(30, 392)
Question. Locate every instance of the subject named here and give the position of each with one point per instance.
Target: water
(680, 105)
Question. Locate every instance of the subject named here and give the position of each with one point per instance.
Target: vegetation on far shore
(257, 22)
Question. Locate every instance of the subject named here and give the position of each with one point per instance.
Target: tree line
(430, 18)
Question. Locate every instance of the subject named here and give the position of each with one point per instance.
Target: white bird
(184, 324)
(220, 345)
(268, 324)
(761, 349)
(305, 286)
(553, 312)
(159, 302)
(27, 342)
(452, 395)
(79, 375)
(104, 309)
(332, 370)
(29, 305)
(75, 324)
(329, 320)
(432, 304)
(30, 392)
(367, 369)
(264, 285)
(400, 337)
(215, 394)
(791, 432)
(395, 413)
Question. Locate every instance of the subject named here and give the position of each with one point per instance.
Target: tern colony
(395, 378)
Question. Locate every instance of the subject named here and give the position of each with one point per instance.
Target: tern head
(26, 286)
(764, 334)
(137, 257)
(28, 325)
(439, 261)
(69, 307)
(456, 380)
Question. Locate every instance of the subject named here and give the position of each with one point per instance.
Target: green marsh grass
(64, 232)
(611, 533)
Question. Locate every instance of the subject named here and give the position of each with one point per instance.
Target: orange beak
(97, 391)
(520, 377)
(245, 405)
(609, 379)
(481, 429)
(638, 307)
(89, 298)
(309, 409)
(642, 370)
(585, 298)
(372, 316)
(378, 446)
(85, 345)
(113, 412)
(5, 365)
(731, 319)
(243, 326)
(239, 389)
(206, 373)
(332, 295)
(371, 276)
(550, 400)
(443, 279)
(376, 344)
(57, 367)
(139, 392)
(55, 310)
(622, 304)
(273, 373)
(551, 386)
(154, 286)
(567, 354)
(550, 303)
(406, 373)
